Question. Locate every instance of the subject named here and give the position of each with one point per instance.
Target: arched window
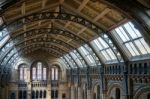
(37, 94)
(54, 73)
(33, 94)
(39, 72)
(117, 93)
(54, 94)
(41, 94)
(22, 72)
(44, 94)
(24, 94)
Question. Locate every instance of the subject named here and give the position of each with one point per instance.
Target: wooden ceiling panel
(89, 13)
(106, 22)
(96, 12)
(97, 6)
(72, 3)
(114, 15)
(34, 6)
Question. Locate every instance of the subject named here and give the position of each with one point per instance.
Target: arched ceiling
(56, 27)
(39, 32)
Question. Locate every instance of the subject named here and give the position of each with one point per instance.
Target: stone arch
(44, 65)
(139, 93)
(96, 89)
(83, 87)
(61, 66)
(114, 87)
(42, 61)
(19, 62)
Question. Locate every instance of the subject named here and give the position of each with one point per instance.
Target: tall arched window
(117, 93)
(22, 72)
(54, 73)
(39, 72)
(37, 94)
(33, 94)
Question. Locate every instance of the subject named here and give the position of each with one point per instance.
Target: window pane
(111, 54)
(98, 44)
(39, 71)
(21, 73)
(90, 58)
(25, 73)
(132, 49)
(130, 31)
(76, 59)
(34, 73)
(83, 50)
(145, 45)
(122, 34)
(44, 73)
(103, 43)
(56, 73)
(135, 30)
(53, 74)
(105, 55)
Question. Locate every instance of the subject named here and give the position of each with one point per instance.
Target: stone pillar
(89, 94)
(104, 94)
(72, 92)
(48, 95)
(79, 93)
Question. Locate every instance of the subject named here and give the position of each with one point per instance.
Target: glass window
(44, 73)
(39, 72)
(103, 49)
(54, 73)
(87, 56)
(66, 64)
(34, 73)
(22, 73)
(70, 61)
(76, 59)
(132, 39)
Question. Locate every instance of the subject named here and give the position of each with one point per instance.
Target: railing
(39, 84)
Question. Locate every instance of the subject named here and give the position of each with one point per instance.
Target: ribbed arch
(62, 17)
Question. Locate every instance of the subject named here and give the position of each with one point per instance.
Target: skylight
(131, 38)
(88, 57)
(103, 49)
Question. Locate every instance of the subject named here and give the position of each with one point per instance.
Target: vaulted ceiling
(60, 34)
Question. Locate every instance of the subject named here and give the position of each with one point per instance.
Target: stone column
(104, 94)
(89, 94)
(29, 91)
(72, 92)
(48, 95)
(79, 93)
